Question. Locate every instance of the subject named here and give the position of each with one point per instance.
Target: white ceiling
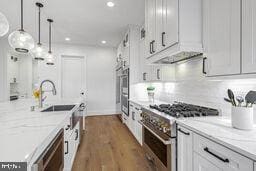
(86, 22)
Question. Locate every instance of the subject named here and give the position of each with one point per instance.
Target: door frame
(84, 72)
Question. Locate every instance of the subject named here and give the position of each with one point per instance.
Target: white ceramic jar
(242, 117)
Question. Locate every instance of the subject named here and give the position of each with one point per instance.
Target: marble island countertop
(24, 133)
(216, 128)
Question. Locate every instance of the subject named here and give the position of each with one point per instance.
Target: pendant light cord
(39, 26)
(50, 35)
(21, 19)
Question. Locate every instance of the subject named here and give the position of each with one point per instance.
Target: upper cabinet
(249, 36)
(145, 70)
(173, 29)
(126, 48)
(221, 34)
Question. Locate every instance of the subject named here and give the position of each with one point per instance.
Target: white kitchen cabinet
(71, 143)
(172, 27)
(254, 166)
(185, 149)
(145, 70)
(150, 25)
(201, 164)
(138, 126)
(163, 73)
(213, 154)
(134, 126)
(249, 36)
(126, 49)
(166, 23)
(169, 34)
(221, 35)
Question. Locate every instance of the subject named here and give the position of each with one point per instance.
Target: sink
(57, 108)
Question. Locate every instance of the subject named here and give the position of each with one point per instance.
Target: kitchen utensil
(228, 100)
(250, 98)
(240, 100)
(231, 97)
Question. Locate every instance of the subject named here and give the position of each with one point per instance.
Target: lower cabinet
(71, 143)
(133, 123)
(254, 166)
(185, 149)
(198, 153)
(201, 164)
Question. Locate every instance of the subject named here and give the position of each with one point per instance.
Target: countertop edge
(220, 142)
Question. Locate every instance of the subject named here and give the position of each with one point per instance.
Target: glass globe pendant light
(39, 51)
(20, 40)
(4, 25)
(50, 54)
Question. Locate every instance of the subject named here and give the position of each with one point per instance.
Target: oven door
(125, 104)
(125, 84)
(161, 155)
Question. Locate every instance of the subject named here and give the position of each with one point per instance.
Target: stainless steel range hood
(181, 56)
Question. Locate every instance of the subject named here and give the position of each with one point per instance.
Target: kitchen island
(25, 134)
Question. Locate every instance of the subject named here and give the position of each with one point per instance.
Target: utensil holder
(242, 117)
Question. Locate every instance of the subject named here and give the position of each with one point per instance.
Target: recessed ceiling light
(67, 39)
(103, 42)
(110, 4)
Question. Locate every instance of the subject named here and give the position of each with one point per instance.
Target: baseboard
(104, 112)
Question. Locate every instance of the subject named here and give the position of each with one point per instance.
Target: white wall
(4, 48)
(100, 75)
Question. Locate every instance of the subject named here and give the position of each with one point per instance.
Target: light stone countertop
(216, 128)
(25, 134)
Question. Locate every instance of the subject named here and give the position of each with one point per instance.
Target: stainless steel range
(159, 131)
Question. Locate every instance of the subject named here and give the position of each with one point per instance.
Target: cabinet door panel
(170, 33)
(159, 25)
(249, 36)
(185, 149)
(222, 36)
(201, 164)
(150, 24)
(145, 70)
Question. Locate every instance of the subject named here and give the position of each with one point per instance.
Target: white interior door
(73, 76)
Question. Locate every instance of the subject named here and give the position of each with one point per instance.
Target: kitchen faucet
(41, 99)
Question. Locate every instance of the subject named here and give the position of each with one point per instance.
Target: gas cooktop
(179, 109)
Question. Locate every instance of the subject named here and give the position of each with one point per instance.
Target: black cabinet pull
(206, 149)
(186, 133)
(144, 76)
(76, 134)
(66, 142)
(158, 74)
(163, 35)
(204, 59)
(150, 48)
(153, 49)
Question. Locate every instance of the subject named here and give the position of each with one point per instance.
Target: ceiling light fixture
(110, 4)
(50, 54)
(67, 39)
(20, 40)
(4, 25)
(103, 42)
(39, 51)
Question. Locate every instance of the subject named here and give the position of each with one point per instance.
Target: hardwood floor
(108, 145)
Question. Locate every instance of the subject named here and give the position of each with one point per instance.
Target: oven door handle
(166, 142)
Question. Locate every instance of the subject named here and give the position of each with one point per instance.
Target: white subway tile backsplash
(192, 87)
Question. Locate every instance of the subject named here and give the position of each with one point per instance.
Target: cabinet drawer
(220, 155)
